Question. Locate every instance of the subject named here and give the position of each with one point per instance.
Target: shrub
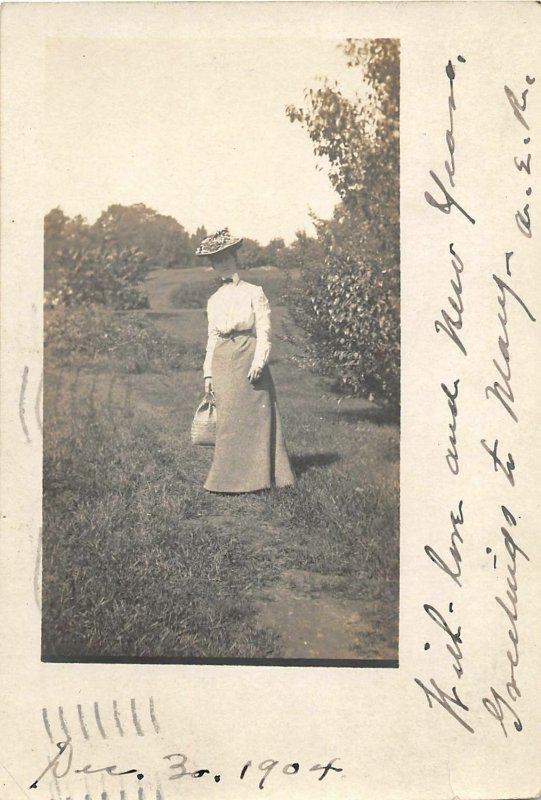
(96, 336)
(105, 275)
(351, 304)
(350, 307)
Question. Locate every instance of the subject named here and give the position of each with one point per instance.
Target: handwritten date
(266, 767)
(177, 768)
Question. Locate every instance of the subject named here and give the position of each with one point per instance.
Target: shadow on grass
(302, 463)
(378, 415)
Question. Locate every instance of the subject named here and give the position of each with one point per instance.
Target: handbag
(203, 429)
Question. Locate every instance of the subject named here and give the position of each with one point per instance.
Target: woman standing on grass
(250, 453)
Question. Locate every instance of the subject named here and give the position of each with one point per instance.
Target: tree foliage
(107, 261)
(352, 306)
(84, 266)
(252, 254)
(161, 238)
(305, 253)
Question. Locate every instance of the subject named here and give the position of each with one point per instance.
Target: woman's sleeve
(263, 329)
(211, 344)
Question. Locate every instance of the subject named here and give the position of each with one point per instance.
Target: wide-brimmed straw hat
(217, 242)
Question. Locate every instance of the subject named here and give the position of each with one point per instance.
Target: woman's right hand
(208, 385)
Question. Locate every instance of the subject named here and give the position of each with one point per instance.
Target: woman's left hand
(254, 374)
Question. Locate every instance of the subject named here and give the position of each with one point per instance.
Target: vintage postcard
(270, 341)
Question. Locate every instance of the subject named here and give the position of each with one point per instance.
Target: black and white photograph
(221, 351)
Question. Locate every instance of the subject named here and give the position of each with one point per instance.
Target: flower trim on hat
(216, 242)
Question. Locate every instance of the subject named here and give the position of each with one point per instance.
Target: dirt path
(310, 612)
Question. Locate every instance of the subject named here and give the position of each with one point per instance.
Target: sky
(193, 128)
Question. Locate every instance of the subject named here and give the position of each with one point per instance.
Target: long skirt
(250, 453)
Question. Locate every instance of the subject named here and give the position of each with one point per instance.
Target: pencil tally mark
(22, 407)
(102, 720)
(37, 404)
(108, 796)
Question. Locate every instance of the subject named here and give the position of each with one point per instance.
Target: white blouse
(238, 306)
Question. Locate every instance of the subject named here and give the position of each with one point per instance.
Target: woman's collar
(234, 279)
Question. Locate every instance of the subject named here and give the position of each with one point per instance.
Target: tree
(250, 254)
(195, 240)
(84, 264)
(161, 238)
(271, 253)
(305, 253)
(352, 304)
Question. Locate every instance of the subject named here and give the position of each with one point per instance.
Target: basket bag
(204, 422)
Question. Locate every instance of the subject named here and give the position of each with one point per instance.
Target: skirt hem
(255, 489)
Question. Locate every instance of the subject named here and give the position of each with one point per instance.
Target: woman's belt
(233, 333)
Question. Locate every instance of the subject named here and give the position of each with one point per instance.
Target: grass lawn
(139, 561)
